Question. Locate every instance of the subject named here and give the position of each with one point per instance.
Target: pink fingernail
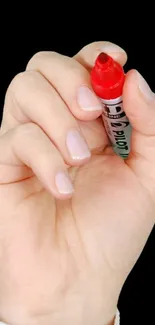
(87, 100)
(63, 183)
(77, 146)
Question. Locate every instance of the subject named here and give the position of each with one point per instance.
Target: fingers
(33, 99)
(72, 80)
(88, 54)
(28, 145)
(55, 94)
(139, 104)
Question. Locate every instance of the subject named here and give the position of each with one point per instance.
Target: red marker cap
(107, 77)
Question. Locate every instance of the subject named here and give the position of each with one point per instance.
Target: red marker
(107, 79)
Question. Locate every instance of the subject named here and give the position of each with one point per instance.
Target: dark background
(23, 39)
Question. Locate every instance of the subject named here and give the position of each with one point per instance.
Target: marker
(107, 77)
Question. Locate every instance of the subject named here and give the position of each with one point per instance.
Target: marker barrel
(117, 125)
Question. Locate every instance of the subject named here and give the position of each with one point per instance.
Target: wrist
(87, 304)
(115, 321)
(100, 316)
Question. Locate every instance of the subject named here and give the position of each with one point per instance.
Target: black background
(23, 37)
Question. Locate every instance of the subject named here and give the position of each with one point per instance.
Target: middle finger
(72, 82)
(31, 98)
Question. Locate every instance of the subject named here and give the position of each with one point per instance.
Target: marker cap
(107, 77)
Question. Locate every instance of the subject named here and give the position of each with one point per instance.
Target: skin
(64, 258)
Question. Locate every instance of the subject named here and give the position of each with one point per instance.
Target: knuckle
(73, 68)
(15, 82)
(20, 83)
(77, 72)
(35, 57)
(39, 56)
(28, 130)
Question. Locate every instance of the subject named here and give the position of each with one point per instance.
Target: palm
(57, 245)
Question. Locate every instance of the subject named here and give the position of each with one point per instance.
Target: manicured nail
(63, 183)
(77, 146)
(144, 88)
(87, 99)
(111, 48)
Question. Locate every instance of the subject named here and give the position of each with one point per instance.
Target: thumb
(139, 104)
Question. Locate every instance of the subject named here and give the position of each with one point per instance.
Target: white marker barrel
(117, 126)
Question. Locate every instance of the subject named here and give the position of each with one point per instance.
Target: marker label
(117, 125)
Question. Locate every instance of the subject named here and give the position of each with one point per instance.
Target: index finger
(88, 54)
(71, 79)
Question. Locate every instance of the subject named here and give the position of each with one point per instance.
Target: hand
(74, 216)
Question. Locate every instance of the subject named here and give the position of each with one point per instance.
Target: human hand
(65, 253)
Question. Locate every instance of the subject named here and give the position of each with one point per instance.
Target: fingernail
(111, 48)
(63, 183)
(77, 146)
(87, 100)
(144, 88)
